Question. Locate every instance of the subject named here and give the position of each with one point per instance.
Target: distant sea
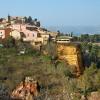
(77, 30)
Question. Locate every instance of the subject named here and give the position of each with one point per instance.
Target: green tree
(85, 37)
(35, 19)
(9, 42)
(26, 19)
(59, 33)
(4, 92)
(29, 19)
(86, 81)
(71, 34)
(9, 18)
(38, 24)
(94, 53)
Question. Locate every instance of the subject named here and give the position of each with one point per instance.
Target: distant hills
(77, 30)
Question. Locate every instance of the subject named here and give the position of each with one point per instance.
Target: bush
(4, 92)
(9, 42)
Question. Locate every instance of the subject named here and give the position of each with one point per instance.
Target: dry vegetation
(55, 81)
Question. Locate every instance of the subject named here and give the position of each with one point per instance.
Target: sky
(55, 12)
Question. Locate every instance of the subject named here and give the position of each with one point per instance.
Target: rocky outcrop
(94, 96)
(26, 90)
(71, 53)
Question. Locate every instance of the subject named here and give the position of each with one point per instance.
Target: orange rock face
(71, 53)
(25, 89)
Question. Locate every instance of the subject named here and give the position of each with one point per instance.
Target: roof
(64, 37)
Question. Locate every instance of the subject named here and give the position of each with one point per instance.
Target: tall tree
(35, 19)
(29, 19)
(26, 19)
(9, 18)
(59, 33)
(38, 24)
(71, 34)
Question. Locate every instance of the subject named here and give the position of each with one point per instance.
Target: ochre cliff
(71, 53)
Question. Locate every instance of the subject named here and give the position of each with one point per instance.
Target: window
(28, 35)
(38, 35)
(0, 33)
(37, 43)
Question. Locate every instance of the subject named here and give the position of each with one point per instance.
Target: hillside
(55, 77)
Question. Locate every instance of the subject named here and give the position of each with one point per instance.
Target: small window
(38, 35)
(37, 43)
(28, 35)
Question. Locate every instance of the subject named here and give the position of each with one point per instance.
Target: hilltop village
(24, 28)
(38, 64)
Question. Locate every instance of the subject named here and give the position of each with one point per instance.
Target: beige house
(53, 34)
(37, 41)
(15, 34)
(45, 37)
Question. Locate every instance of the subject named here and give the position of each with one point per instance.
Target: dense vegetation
(93, 38)
(30, 21)
(55, 77)
(91, 53)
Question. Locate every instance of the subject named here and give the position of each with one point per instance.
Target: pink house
(29, 35)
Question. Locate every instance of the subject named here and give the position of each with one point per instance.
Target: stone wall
(71, 53)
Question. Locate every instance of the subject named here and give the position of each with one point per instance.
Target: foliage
(87, 80)
(51, 49)
(55, 77)
(94, 38)
(9, 42)
(26, 19)
(29, 20)
(91, 53)
(68, 72)
(4, 92)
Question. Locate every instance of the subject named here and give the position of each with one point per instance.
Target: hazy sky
(55, 12)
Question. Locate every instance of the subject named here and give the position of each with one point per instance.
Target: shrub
(9, 42)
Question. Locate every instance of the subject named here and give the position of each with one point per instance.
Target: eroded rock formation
(26, 90)
(71, 53)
